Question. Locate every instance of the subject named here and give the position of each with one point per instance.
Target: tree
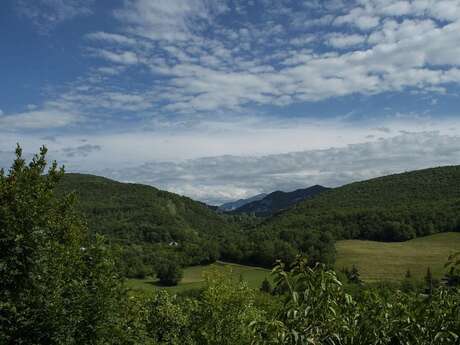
(354, 276)
(225, 310)
(266, 286)
(408, 274)
(429, 281)
(407, 284)
(57, 286)
(169, 273)
(452, 277)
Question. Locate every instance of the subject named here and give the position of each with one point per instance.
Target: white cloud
(166, 19)
(38, 119)
(360, 18)
(111, 38)
(47, 14)
(219, 179)
(405, 46)
(346, 41)
(122, 57)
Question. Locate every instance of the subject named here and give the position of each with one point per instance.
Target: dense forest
(60, 285)
(155, 228)
(391, 208)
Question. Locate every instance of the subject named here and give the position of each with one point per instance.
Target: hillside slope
(134, 214)
(391, 208)
(278, 201)
(155, 225)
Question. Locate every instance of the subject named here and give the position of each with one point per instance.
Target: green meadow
(377, 261)
(194, 277)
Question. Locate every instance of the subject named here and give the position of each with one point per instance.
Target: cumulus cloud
(38, 119)
(345, 41)
(377, 46)
(167, 19)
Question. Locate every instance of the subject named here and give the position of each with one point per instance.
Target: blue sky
(220, 100)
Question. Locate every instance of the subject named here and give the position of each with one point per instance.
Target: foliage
(169, 273)
(353, 275)
(452, 277)
(151, 225)
(266, 286)
(225, 310)
(56, 286)
(317, 310)
(391, 208)
(168, 321)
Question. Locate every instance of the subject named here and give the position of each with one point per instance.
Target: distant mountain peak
(278, 201)
(231, 206)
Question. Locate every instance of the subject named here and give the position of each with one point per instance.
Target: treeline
(60, 286)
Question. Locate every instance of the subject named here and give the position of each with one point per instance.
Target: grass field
(193, 277)
(390, 261)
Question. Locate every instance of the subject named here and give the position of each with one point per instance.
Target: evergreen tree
(266, 286)
(429, 281)
(354, 276)
(408, 274)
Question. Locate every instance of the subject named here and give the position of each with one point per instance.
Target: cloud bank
(219, 179)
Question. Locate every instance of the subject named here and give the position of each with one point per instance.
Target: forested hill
(278, 201)
(391, 208)
(143, 215)
(154, 226)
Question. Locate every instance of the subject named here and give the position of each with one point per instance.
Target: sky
(220, 100)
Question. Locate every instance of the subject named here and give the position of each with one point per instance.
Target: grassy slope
(194, 277)
(390, 261)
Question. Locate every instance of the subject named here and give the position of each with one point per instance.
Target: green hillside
(148, 220)
(390, 261)
(154, 227)
(391, 208)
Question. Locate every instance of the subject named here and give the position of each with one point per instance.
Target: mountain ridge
(278, 201)
(233, 205)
